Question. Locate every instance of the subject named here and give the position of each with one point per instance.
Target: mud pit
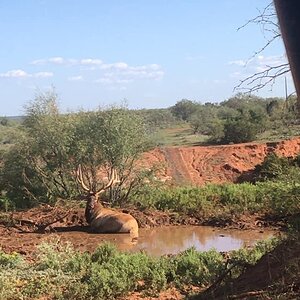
(154, 241)
(192, 165)
(23, 231)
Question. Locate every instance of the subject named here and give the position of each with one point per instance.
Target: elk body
(104, 220)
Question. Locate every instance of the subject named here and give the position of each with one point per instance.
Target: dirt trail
(177, 165)
(216, 164)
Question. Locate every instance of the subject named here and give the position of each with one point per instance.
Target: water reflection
(171, 240)
(155, 241)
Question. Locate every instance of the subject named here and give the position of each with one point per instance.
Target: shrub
(108, 273)
(239, 131)
(198, 268)
(12, 260)
(272, 167)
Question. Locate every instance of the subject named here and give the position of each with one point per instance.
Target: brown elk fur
(104, 220)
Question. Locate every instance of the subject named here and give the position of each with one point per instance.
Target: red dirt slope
(215, 164)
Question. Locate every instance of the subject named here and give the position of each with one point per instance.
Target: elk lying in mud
(104, 220)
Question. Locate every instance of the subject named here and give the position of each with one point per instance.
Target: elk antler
(80, 180)
(113, 180)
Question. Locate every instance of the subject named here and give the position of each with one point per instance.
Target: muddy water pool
(154, 241)
(172, 240)
(158, 241)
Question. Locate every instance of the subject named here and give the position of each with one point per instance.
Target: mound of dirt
(214, 164)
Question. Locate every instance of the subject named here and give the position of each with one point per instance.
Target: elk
(104, 220)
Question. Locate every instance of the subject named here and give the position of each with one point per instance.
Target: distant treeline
(240, 118)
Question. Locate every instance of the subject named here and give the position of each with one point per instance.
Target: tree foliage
(42, 165)
(184, 109)
(241, 118)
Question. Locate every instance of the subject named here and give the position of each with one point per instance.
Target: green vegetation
(242, 118)
(224, 201)
(39, 158)
(180, 135)
(43, 152)
(41, 164)
(60, 272)
(9, 133)
(275, 192)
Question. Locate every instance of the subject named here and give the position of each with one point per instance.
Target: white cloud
(107, 73)
(263, 62)
(75, 78)
(15, 74)
(238, 62)
(22, 74)
(43, 74)
(57, 60)
(53, 60)
(123, 73)
(257, 64)
(112, 80)
(90, 61)
(116, 66)
(38, 62)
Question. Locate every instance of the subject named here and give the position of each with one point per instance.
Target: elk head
(95, 194)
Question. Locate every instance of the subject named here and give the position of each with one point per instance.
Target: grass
(221, 201)
(60, 272)
(181, 135)
(280, 133)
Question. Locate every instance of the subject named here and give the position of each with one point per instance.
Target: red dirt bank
(216, 164)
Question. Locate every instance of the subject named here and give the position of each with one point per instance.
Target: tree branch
(267, 19)
(261, 79)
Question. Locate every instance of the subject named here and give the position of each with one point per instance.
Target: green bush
(272, 167)
(242, 258)
(198, 268)
(272, 197)
(12, 260)
(108, 273)
(280, 198)
(239, 131)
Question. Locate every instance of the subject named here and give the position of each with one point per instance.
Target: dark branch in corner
(261, 79)
(267, 19)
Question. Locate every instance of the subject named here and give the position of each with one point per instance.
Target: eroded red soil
(215, 164)
(23, 231)
(196, 165)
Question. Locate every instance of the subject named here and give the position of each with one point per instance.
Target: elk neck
(92, 207)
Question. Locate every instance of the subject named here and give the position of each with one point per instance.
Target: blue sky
(152, 53)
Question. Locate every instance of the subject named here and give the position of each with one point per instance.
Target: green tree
(239, 130)
(273, 167)
(155, 119)
(184, 109)
(38, 167)
(203, 119)
(4, 121)
(111, 138)
(43, 164)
